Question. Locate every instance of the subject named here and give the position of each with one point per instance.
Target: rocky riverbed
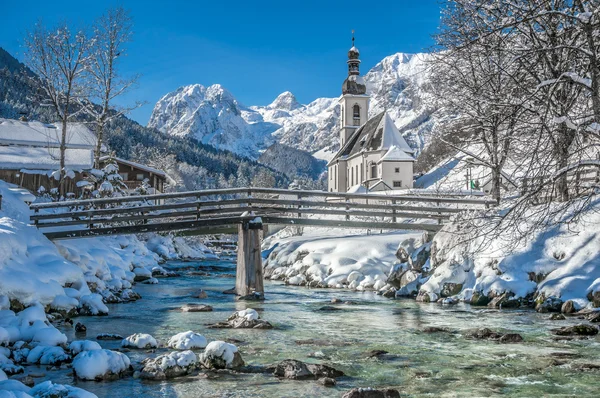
(362, 340)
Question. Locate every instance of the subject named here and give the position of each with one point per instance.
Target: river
(418, 364)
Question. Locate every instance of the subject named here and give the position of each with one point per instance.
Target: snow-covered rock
(174, 364)
(45, 355)
(187, 341)
(139, 340)
(221, 355)
(51, 390)
(13, 389)
(101, 365)
(248, 314)
(49, 336)
(78, 346)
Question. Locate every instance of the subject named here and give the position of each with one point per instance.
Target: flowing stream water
(418, 364)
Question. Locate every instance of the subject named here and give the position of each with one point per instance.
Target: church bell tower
(354, 101)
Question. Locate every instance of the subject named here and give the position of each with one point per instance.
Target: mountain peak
(286, 101)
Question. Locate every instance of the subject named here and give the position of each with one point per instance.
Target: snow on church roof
(378, 134)
(395, 154)
(37, 134)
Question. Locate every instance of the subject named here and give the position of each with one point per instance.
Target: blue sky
(256, 49)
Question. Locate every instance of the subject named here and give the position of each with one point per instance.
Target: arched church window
(356, 114)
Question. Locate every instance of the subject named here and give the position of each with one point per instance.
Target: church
(373, 155)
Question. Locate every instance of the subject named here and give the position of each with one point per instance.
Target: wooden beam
(350, 224)
(249, 274)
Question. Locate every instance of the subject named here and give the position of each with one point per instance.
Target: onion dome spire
(354, 84)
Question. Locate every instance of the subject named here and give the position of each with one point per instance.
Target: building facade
(373, 154)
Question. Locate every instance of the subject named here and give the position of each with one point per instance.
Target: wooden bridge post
(249, 273)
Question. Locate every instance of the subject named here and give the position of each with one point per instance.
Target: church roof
(378, 134)
(395, 154)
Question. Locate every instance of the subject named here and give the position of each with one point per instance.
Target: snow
(567, 254)
(139, 340)
(93, 302)
(78, 346)
(45, 355)
(183, 358)
(249, 314)
(399, 83)
(36, 134)
(134, 164)
(49, 336)
(220, 349)
(14, 387)
(187, 341)
(396, 154)
(49, 389)
(354, 261)
(89, 365)
(43, 160)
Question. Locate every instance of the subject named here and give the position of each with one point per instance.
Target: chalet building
(30, 158)
(373, 154)
(30, 154)
(134, 174)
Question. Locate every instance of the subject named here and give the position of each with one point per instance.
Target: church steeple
(354, 84)
(353, 61)
(354, 102)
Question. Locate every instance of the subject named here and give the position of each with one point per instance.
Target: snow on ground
(187, 341)
(35, 270)
(356, 261)
(564, 257)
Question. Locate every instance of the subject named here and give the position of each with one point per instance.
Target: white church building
(373, 154)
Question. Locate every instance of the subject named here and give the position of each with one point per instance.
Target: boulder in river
(327, 381)
(168, 366)
(488, 334)
(576, 330)
(557, 317)
(372, 393)
(298, 370)
(568, 307)
(221, 355)
(196, 308)
(550, 304)
(594, 317)
(245, 319)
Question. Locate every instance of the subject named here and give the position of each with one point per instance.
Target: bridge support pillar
(249, 273)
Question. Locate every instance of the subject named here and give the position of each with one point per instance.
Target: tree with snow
(112, 31)
(59, 57)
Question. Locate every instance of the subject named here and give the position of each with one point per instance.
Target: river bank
(419, 360)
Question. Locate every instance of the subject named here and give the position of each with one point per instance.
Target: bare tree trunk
(496, 185)
(63, 152)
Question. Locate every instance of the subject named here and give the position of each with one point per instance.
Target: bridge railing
(226, 207)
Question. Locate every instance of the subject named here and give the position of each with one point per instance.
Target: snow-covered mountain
(399, 83)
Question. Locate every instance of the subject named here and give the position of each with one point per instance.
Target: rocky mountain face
(399, 84)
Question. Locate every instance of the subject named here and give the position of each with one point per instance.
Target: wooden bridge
(245, 211)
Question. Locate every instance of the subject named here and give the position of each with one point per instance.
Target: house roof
(36, 158)
(37, 134)
(395, 154)
(140, 166)
(378, 134)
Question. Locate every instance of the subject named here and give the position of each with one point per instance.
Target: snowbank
(170, 248)
(31, 268)
(559, 261)
(358, 262)
(187, 341)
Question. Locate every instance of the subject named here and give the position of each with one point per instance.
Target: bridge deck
(215, 211)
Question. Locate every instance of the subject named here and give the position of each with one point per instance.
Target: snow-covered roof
(395, 154)
(140, 166)
(378, 134)
(37, 134)
(37, 159)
